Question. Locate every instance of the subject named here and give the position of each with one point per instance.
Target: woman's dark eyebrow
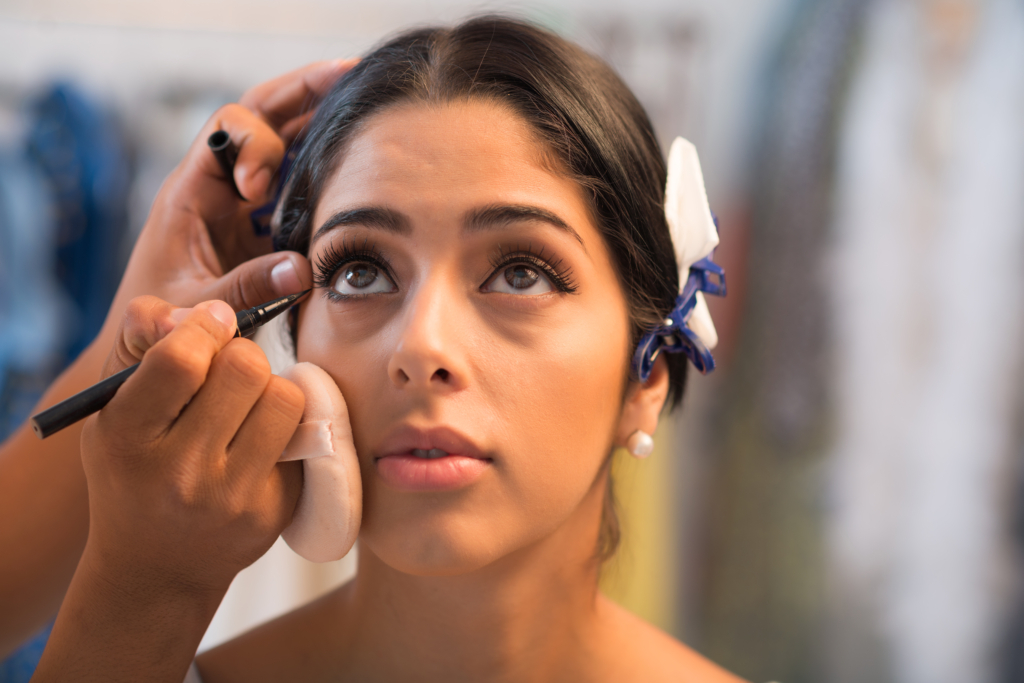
(378, 217)
(506, 214)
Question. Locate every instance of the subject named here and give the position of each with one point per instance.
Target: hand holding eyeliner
(91, 400)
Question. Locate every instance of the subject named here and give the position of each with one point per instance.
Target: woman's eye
(519, 278)
(362, 278)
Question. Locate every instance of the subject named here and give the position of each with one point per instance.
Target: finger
(282, 99)
(237, 377)
(260, 151)
(171, 372)
(201, 185)
(283, 486)
(202, 188)
(146, 321)
(266, 430)
(262, 279)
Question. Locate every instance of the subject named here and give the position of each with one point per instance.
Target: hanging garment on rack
(81, 150)
(34, 307)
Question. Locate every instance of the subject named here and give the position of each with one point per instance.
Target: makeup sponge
(327, 516)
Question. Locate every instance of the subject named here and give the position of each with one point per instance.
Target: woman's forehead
(436, 130)
(428, 158)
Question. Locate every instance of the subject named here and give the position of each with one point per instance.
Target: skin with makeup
(472, 313)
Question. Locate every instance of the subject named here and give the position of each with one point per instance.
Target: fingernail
(224, 313)
(284, 278)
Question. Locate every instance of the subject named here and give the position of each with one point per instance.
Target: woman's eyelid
(329, 262)
(547, 264)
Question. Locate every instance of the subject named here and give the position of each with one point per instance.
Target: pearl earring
(640, 444)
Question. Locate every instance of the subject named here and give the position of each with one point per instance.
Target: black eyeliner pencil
(91, 400)
(226, 154)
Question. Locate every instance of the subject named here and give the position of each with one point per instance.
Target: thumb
(262, 279)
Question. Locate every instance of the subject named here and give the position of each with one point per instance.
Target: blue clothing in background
(63, 226)
(81, 150)
(19, 667)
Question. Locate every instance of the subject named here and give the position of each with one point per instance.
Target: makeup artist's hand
(184, 491)
(182, 463)
(198, 242)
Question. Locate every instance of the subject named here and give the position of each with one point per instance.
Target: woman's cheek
(545, 397)
(559, 402)
(344, 343)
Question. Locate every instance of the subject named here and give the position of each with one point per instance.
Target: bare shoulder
(639, 651)
(282, 649)
(624, 648)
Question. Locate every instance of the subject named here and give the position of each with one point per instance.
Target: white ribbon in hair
(691, 226)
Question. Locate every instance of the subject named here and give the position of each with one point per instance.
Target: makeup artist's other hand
(184, 491)
(184, 485)
(198, 243)
(194, 247)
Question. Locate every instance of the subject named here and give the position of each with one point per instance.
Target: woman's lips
(409, 473)
(438, 459)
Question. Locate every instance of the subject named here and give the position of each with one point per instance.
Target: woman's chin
(424, 557)
(434, 545)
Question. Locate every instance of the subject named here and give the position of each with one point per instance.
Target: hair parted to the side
(590, 120)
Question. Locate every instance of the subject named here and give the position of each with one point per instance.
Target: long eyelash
(561, 277)
(331, 259)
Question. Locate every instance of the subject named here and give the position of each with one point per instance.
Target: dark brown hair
(588, 118)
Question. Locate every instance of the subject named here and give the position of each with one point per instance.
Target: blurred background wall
(841, 500)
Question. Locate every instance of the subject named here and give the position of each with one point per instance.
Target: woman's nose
(427, 353)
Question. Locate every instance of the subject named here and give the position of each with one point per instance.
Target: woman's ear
(643, 403)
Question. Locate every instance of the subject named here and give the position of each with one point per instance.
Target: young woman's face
(472, 318)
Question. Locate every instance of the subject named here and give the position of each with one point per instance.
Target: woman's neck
(534, 616)
(523, 617)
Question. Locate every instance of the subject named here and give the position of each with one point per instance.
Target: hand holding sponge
(327, 516)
